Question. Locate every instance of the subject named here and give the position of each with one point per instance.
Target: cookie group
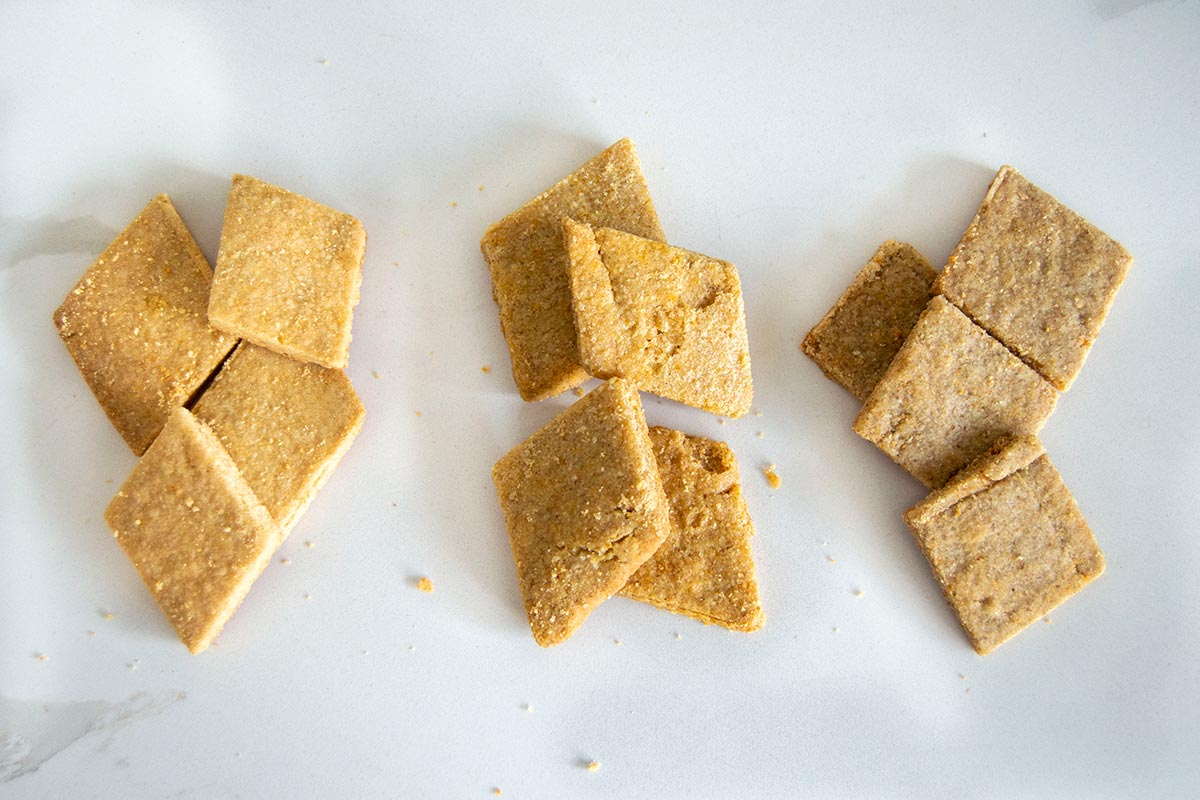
(226, 386)
(957, 395)
(597, 503)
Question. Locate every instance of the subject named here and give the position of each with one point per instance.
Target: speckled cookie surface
(949, 393)
(705, 568)
(288, 273)
(1006, 541)
(667, 319)
(528, 263)
(855, 341)
(1036, 275)
(193, 529)
(137, 326)
(584, 507)
(286, 424)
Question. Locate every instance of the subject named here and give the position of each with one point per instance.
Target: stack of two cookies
(958, 371)
(230, 388)
(596, 503)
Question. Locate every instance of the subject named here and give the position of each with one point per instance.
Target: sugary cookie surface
(137, 326)
(288, 272)
(667, 319)
(286, 425)
(528, 263)
(193, 529)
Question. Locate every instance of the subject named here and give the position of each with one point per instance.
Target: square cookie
(854, 343)
(288, 273)
(1036, 275)
(584, 507)
(1006, 541)
(528, 262)
(193, 529)
(951, 391)
(705, 568)
(137, 327)
(286, 425)
(668, 320)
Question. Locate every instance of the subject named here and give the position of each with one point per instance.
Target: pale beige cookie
(705, 568)
(584, 507)
(528, 262)
(285, 424)
(288, 273)
(857, 339)
(193, 529)
(137, 323)
(951, 391)
(669, 320)
(1036, 275)
(1006, 541)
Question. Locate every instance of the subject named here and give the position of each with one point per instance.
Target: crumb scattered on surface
(425, 585)
(578, 391)
(772, 477)
(831, 559)
(285, 561)
(859, 593)
(481, 187)
(962, 677)
(721, 421)
(593, 766)
(418, 413)
(496, 791)
(1048, 621)
(41, 656)
(91, 633)
(375, 374)
(310, 544)
(757, 413)
(759, 434)
(835, 628)
(308, 597)
(678, 636)
(485, 369)
(617, 641)
(528, 708)
(453, 204)
(133, 665)
(107, 615)
(324, 62)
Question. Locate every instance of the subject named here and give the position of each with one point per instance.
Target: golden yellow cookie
(668, 320)
(286, 425)
(584, 506)
(528, 263)
(137, 323)
(705, 568)
(193, 529)
(288, 273)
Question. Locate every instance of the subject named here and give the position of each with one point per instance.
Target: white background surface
(788, 142)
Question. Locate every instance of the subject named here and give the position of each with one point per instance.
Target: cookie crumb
(577, 391)
(678, 636)
(308, 597)
(759, 434)
(425, 585)
(285, 561)
(617, 641)
(485, 369)
(453, 204)
(772, 477)
(496, 791)
(108, 615)
(831, 559)
(418, 413)
(91, 633)
(375, 374)
(324, 62)
(41, 656)
(310, 544)
(481, 189)
(835, 628)
(1047, 620)
(859, 593)
(593, 766)
(528, 708)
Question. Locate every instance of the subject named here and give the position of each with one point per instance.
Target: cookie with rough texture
(528, 262)
(286, 424)
(857, 339)
(137, 327)
(193, 529)
(1036, 275)
(667, 319)
(705, 568)
(584, 506)
(288, 273)
(951, 391)
(1006, 541)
